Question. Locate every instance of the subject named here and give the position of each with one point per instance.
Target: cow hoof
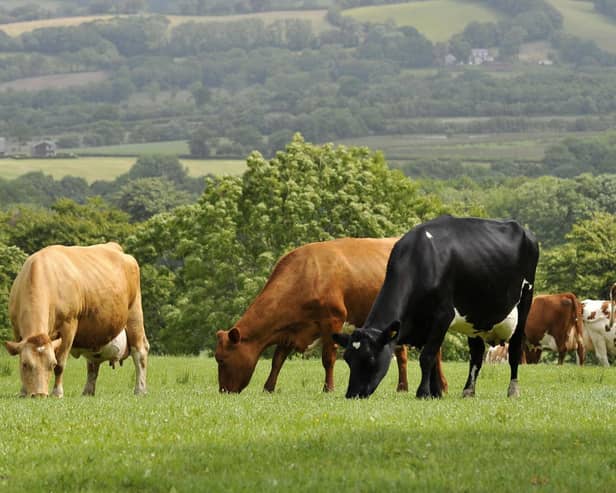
(514, 389)
(268, 390)
(327, 389)
(468, 393)
(402, 387)
(422, 394)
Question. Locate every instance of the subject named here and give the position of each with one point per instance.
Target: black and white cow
(471, 275)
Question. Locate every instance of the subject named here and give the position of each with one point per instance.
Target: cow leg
(138, 343)
(401, 360)
(68, 331)
(517, 339)
(280, 355)
(90, 387)
(328, 358)
(598, 341)
(476, 347)
(427, 358)
(581, 350)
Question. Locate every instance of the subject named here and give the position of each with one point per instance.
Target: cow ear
(341, 339)
(55, 344)
(13, 347)
(391, 333)
(234, 335)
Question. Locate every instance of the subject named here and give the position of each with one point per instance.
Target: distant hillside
(438, 20)
(580, 19)
(316, 17)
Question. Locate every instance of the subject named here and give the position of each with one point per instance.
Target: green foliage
(11, 260)
(223, 250)
(66, 223)
(588, 262)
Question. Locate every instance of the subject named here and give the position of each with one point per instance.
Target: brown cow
(312, 291)
(86, 300)
(555, 323)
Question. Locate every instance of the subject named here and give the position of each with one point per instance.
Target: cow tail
(612, 301)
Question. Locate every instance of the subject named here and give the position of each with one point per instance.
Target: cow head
(368, 353)
(37, 359)
(236, 361)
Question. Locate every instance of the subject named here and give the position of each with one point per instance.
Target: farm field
(580, 19)
(438, 20)
(185, 436)
(56, 81)
(480, 147)
(316, 17)
(172, 147)
(108, 168)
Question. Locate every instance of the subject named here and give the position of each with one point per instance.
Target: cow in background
(472, 275)
(497, 354)
(599, 330)
(312, 291)
(555, 323)
(84, 300)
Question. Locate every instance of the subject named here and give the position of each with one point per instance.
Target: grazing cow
(311, 292)
(472, 275)
(86, 300)
(599, 330)
(497, 354)
(554, 322)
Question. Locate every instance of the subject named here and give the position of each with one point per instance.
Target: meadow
(316, 17)
(93, 168)
(438, 20)
(581, 19)
(185, 436)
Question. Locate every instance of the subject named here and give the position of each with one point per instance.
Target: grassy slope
(580, 19)
(317, 17)
(107, 168)
(185, 436)
(438, 20)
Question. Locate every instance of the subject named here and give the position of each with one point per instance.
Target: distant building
(479, 56)
(545, 62)
(450, 59)
(44, 148)
(2, 146)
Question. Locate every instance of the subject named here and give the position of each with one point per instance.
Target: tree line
(203, 261)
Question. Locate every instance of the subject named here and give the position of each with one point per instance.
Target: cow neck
(391, 304)
(256, 328)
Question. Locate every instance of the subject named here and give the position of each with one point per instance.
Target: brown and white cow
(83, 300)
(598, 317)
(554, 323)
(312, 291)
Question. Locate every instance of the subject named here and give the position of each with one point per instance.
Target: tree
(222, 251)
(11, 260)
(142, 198)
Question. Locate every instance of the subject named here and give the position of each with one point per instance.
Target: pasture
(316, 18)
(185, 436)
(581, 19)
(438, 20)
(109, 167)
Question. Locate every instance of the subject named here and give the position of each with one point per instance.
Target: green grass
(185, 436)
(316, 17)
(174, 147)
(580, 19)
(438, 20)
(483, 147)
(108, 168)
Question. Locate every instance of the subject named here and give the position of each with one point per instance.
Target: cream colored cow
(83, 300)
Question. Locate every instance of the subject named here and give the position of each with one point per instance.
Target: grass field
(108, 168)
(580, 19)
(481, 147)
(56, 81)
(185, 436)
(438, 20)
(316, 17)
(173, 147)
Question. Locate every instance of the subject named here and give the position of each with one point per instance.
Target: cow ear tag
(393, 334)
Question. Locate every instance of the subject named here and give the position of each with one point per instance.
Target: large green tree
(221, 251)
